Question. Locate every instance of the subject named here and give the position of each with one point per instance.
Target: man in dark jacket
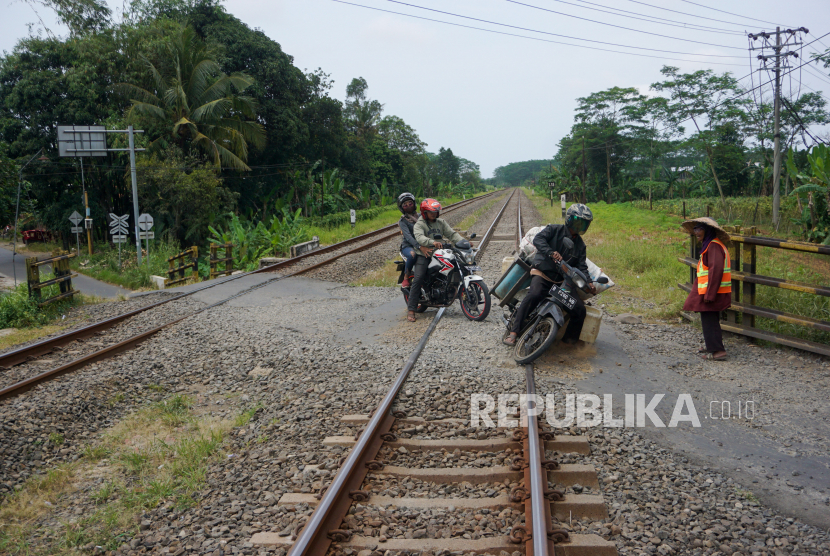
(550, 250)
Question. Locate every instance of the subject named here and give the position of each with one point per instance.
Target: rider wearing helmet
(550, 249)
(409, 246)
(428, 231)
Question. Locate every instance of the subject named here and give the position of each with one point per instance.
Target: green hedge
(340, 218)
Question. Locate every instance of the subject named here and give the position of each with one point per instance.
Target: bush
(340, 218)
(18, 311)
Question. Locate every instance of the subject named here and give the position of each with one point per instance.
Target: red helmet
(430, 205)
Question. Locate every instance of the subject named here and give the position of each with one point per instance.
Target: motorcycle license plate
(563, 297)
(474, 268)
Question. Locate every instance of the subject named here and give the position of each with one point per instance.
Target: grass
(741, 211)
(103, 264)
(158, 455)
(385, 276)
(638, 249)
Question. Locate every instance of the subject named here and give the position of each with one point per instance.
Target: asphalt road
(84, 284)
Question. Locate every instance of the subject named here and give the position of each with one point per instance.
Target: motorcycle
(543, 324)
(450, 276)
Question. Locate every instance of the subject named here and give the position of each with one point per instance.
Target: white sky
(494, 99)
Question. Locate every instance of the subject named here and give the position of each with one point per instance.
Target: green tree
(709, 101)
(611, 113)
(198, 104)
(183, 194)
(362, 113)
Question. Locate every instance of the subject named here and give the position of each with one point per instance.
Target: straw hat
(689, 225)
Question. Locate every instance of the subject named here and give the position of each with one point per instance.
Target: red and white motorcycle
(450, 276)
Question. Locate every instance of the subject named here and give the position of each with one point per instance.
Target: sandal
(410, 316)
(711, 357)
(510, 340)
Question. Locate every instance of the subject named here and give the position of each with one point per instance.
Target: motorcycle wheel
(476, 302)
(421, 307)
(530, 347)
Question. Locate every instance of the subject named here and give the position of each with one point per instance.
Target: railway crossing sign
(145, 222)
(118, 228)
(76, 219)
(118, 232)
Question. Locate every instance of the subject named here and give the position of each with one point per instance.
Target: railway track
(531, 516)
(76, 354)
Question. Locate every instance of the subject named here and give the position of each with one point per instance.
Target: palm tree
(202, 106)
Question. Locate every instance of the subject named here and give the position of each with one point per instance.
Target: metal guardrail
(740, 317)
(63, 277)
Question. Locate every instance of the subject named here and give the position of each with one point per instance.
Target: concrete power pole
(777, 48)
(776, 161)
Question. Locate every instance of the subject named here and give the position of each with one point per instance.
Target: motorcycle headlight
(580, 283)
(471, 258)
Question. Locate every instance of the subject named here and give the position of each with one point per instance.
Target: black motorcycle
(450, 276)
(543, 324)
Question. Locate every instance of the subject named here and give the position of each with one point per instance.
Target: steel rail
(539, 514)
(316, 536)
(115, 349)
(539, 506)
(489, 233)
(26, 353)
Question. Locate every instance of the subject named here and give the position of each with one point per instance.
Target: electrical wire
(686, 13)
(557, 42)
(599, 23)
(820, 42)
(800, 121)
(654, 17)
(555, 34)
(730, 13)
(815, 73)
(651, 19)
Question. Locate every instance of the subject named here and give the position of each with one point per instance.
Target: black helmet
(578, 218)
(403, 197)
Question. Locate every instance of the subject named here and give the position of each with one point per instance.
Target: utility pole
(777, 48)
(583, 169)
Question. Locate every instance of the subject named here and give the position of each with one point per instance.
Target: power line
(815, 73)
(820, 42)
(608, 24)
(560, 13)
(730, 13)
(685, 13)
(557, 42)
(651, 17)
(800, 121)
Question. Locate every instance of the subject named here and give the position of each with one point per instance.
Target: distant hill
(516, 173)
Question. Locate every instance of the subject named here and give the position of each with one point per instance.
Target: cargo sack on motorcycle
(526, 248)
(595, 272)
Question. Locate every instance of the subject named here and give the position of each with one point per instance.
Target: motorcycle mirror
(602, 280)
(472, 235)
(568, 243)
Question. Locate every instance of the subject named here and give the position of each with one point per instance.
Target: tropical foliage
(230, 125)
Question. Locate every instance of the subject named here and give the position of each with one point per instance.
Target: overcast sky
(494, 98)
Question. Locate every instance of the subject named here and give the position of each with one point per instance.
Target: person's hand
(556, 256)
(437, 244)
(426, 251)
